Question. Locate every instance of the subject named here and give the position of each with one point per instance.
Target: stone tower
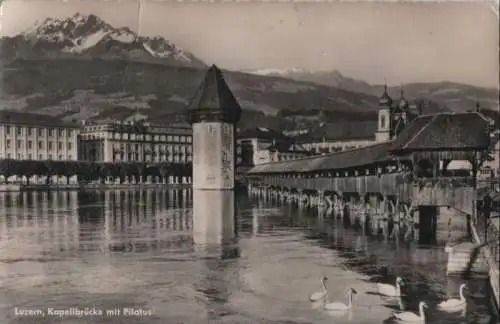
(214, 112)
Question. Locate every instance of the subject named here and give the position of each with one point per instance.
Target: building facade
(261, 145)
(135, 141)
(25, 136)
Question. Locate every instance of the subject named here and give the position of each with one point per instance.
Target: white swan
(390, 290)
(409, 317)
(320, 294)
(339, 306)
(454, 304)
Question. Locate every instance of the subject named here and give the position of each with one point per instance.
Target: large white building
(135, 141)
(25, 136)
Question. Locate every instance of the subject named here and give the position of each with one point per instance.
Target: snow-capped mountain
(88, 35)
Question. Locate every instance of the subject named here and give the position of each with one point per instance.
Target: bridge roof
(334, 161)
(445, 132)
(441, 132)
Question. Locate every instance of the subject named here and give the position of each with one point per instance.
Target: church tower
(214, 112)
(400, 115)
(383, 133)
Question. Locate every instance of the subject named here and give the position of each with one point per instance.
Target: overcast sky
(402, 42)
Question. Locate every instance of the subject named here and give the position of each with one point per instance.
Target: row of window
(140, 137)
(29, 146)
(158, 158)
(30, 156)
(163, 148)
(29, 131)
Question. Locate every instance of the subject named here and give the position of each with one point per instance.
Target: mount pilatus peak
(90, 35)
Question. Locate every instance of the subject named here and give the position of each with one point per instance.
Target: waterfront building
(135, 141)
(26, 136)
(34, 137)
(262, 145)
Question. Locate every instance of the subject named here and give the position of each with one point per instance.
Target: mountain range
(81, 67)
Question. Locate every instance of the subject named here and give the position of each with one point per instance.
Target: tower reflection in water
(214, 238)
(214, 222)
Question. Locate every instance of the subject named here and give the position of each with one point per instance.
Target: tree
(28, 168)
(70, 168)
(8, 168)
(49, 168)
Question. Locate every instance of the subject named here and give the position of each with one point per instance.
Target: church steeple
(385, 99)
(403, 103)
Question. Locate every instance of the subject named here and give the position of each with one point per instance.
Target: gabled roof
(214, 96)
(445, 131)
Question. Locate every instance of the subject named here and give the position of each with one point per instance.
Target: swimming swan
(390, 290)
(454, 304)
(410, 317)
(339, 306)
(320, 294)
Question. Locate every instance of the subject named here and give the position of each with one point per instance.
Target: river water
(149, 257)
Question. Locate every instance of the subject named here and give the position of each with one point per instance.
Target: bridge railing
(389, 184)
(443, 191)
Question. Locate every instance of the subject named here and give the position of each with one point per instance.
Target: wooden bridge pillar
(427, 224)
(321, 198)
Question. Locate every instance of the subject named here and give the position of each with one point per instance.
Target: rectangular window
(40, 132)
(70, 145)
(7, 130)
(7, 143)
(50, 146)
(60, 146)
(40, 144)
(30, 145)
(19, 144)
(30, 131)
(19, 131)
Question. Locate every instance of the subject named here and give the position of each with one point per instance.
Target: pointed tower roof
(214, 101)
(385, 99)
(403, 103)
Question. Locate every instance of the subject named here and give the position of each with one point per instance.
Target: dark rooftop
(445, 131)
(364, 130)
(29, 119)
(260, 133)
(214, 96)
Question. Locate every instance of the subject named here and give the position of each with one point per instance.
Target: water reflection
(186, 256)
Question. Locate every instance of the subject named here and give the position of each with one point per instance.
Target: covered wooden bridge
(400, 176)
